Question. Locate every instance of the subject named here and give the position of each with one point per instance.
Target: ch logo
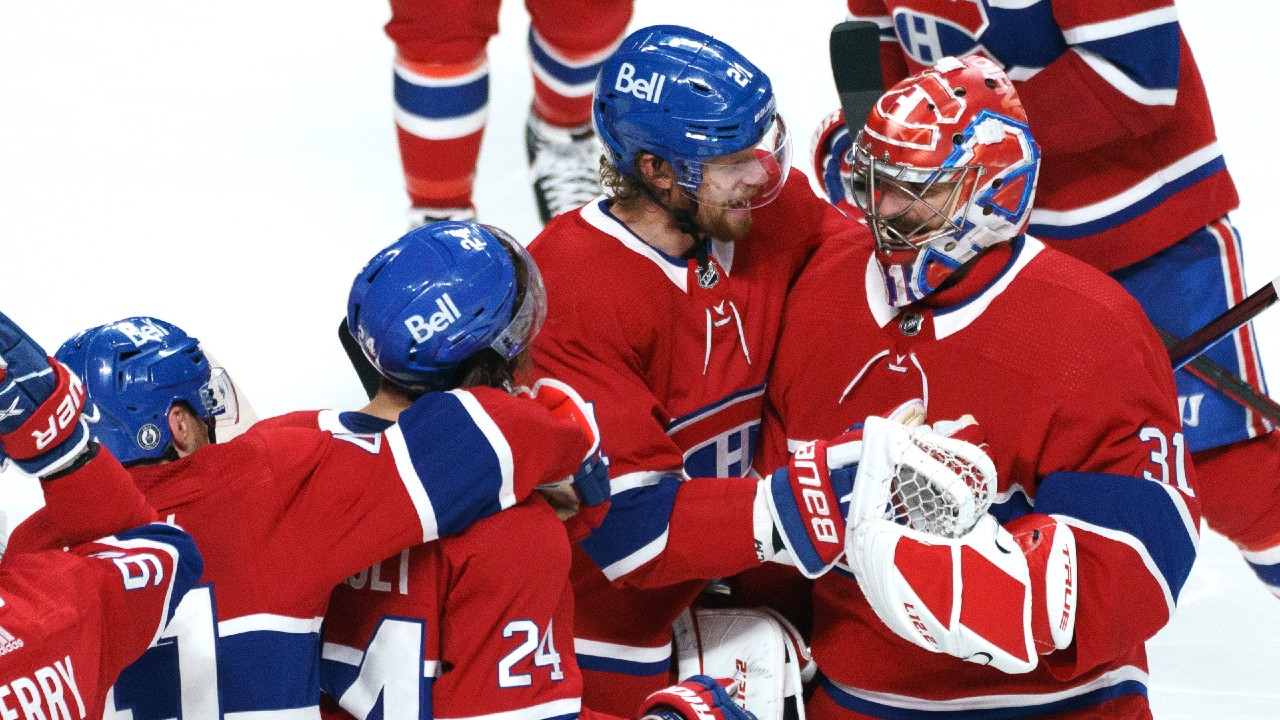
(932, 29)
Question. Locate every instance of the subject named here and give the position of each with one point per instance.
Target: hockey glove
(926, 478)
(698, 698)
(989, 596)
(590, 484)
(831, 145)
(808, 498)
(41, 430)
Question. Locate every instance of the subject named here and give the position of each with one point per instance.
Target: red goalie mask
(944, 168)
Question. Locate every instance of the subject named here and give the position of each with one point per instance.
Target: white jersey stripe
(629, 653)
(413, 484)
(269, 622)
(498, 441)
(555, 708)
(1120, 26)
(447, 129)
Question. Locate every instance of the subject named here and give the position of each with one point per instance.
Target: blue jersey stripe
(459, 470)
(889, 712)
(1124, 215)
(292, 680)
(623, 667)
(1148, 56)
(438, 103)
(636, 518)
(1137, 507)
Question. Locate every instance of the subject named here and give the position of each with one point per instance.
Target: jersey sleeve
(506, 646)
(452, 459)
(94, 501)
(1118, 79)
(1121, 478)
(640, 543)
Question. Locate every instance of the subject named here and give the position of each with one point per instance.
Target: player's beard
(725, 223)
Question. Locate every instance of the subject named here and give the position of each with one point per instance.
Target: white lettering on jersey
(1189, 409)
(372, 577)
(448, 314)
(42, 696)
(650, 89)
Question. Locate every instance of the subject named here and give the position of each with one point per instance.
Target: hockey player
(1134, 183)
(442, 98)
(277, 514)
(1094, 527)
(479, 624)
(664, 299)
(70, 621)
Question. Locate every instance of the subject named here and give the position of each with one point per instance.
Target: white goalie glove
(941, 572)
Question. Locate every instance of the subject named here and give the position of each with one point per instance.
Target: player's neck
(386, 405)
(654, 225)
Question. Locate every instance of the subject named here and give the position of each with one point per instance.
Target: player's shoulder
(295, 419)
(1070, 283)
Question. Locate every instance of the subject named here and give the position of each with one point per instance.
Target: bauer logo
(422, 330)
(650, 89)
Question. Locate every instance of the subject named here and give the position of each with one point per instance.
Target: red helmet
(944, 168)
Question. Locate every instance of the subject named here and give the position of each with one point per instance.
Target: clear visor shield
(220, 399)
(531, 304)
(906, 206)
(749, 178)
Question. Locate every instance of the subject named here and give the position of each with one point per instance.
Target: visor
(741, 181)
(531, 305)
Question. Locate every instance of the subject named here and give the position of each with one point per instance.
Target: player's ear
(188, 431)
(655, 171)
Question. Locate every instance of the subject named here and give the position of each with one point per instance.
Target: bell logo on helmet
(141, 334)
(422, 330)
(650, 89)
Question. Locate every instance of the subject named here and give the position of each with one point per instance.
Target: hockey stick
(1223, 325)
(855, 65)
(369, 377)
(1227, 382)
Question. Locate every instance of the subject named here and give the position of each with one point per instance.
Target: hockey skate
(564, 166)
(419, 216)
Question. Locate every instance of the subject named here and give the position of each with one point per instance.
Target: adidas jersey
(283, 514)
(1131, 160)
(71, 621)
(1074, 392)
(676, 372)
(477, 625)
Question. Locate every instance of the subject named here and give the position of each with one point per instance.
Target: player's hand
(41, 430)
(830, 146)
(590, 484)
(698, 698)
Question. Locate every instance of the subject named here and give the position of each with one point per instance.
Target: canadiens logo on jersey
(719, 440)
(932, 29)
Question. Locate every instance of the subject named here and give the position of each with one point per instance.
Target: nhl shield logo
(708, 275)
(148, 437)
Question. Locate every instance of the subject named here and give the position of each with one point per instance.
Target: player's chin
(731, 223)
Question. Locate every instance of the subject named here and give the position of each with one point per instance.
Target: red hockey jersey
(1131, 161)
(1074, 392)
(71, 621)
(476, 625)
(282, 515)
(676, 373)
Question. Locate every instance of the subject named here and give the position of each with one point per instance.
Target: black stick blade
(855, 64)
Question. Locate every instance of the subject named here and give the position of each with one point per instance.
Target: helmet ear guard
(440, 295)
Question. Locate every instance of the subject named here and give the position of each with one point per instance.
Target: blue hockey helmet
(441, 294)
(134, 370)
(687, 98)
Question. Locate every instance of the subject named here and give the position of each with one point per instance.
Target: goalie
(1042, 603)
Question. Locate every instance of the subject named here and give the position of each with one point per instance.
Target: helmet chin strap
(685, 224)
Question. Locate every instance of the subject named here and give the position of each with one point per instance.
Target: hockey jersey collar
(598, 215)
(950, 320)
